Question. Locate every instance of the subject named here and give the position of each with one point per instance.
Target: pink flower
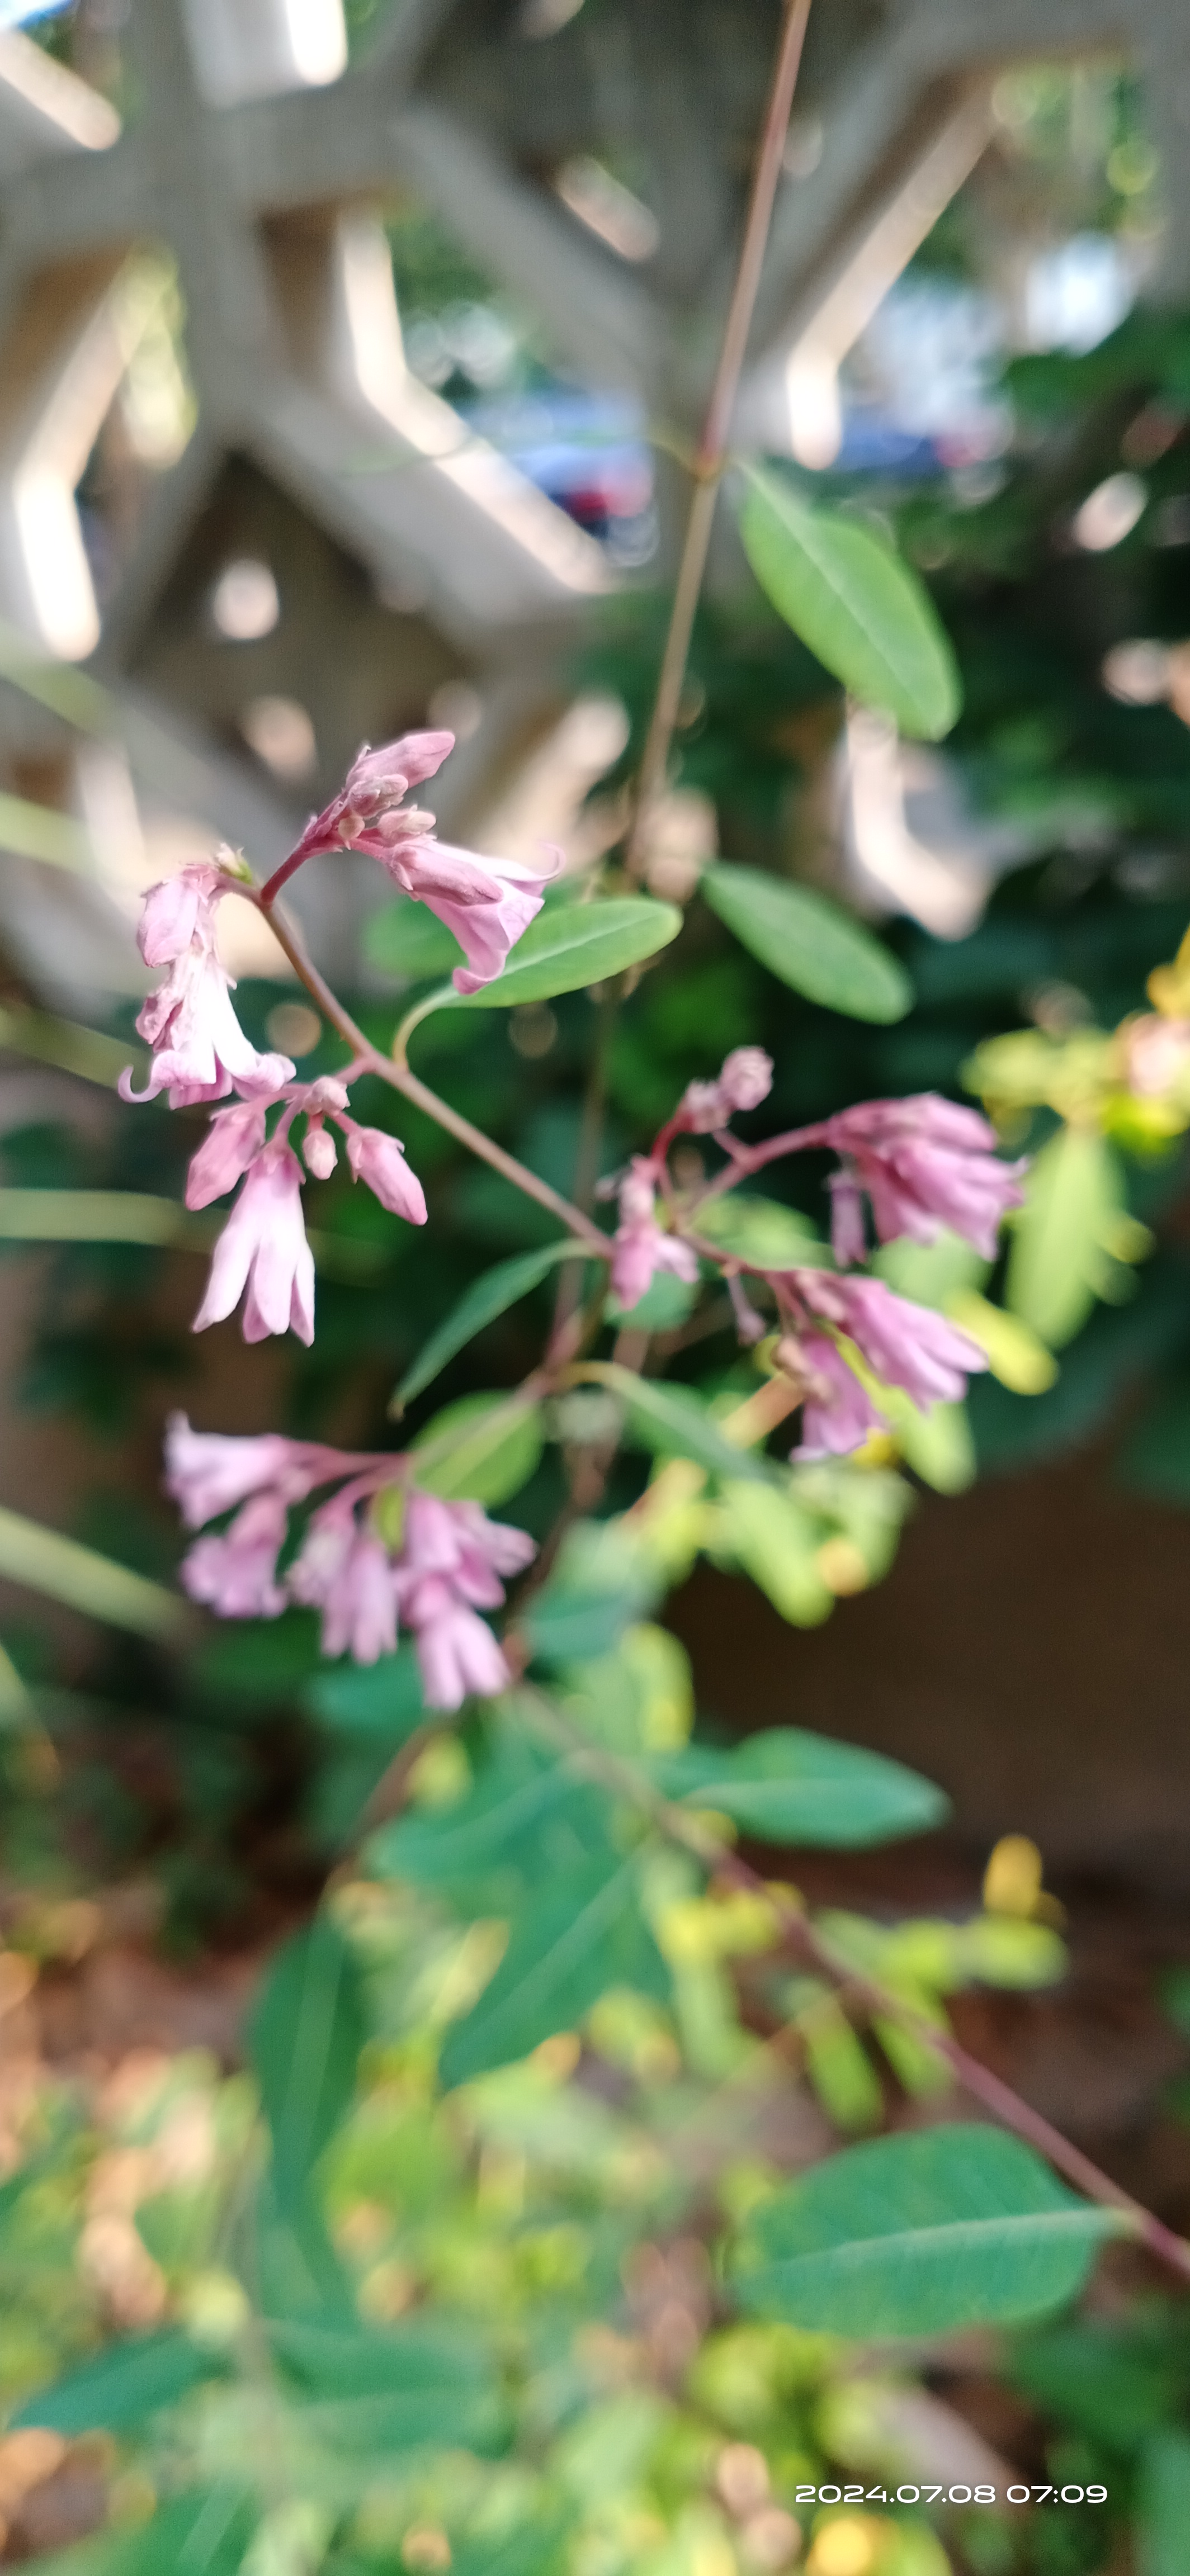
(207, 1472)
(745, 1080)
(838, 1413)
(485, 903)
(641, 1248)
(924, 1163)
(263, 1247)
(232, 1142)
(348, 1573)
(235, 1575)
(377, 780)
(904, 1344)
(380, 1161)
(451, 1559)
(200, 1051)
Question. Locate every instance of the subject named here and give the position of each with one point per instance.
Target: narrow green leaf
(525, 1819)
(92, 1216)
(395, 2391)
(1059, 1262)
(844, 590)
(673, 1421)
(484, 1447)
(123, 2385)
(39, 832)
(489, 1296)
(578, 1936)
(914, 2235)
(1163, 2503)
(809, 942)
(86, 1581)
(306, 2035)
(572, 945)
(793, 1787)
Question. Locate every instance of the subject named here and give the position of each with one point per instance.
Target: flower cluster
(921, 1163)
(376, 1555)
(200, 1052)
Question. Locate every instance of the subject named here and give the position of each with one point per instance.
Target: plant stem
(998, 2098)
(399, 1078)
(711, 454)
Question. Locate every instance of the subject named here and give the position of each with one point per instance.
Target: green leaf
(1060, 1259)
(408, 941)
(202, 2533)
(488, 1296)
(768, 1535)
(122, 2386)
(937, 1444)
(791, 1787)
(1163, 2504)
(673, 1421)
(914, 2235)
(395, 2391)
(527, 1817)
(577, 1937)
(39, 832)
(306, 2035)
(761, 1231)
(86, 1581)
(565, 949)
(866, 616)
(484, 1447)
(382, 1699)
(809, 942)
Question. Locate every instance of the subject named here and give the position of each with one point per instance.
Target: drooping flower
(641, 1247)
(346, 1571)
(905, 1344)
(838, 1413)
(208, 1472)
(232, 1142)
(485, 903)
(379, 1160)
(236, 1574)
(263, 1248)
(924, 1162)
(745, 1080)
(451, 1559)
(200, 1051)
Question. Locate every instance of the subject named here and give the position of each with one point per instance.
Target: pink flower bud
(318, 1150)
(380, 1161)
(745, 1080)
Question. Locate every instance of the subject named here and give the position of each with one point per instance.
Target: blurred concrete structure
(406, 558)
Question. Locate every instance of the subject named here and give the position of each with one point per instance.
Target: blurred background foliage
(1049, 510)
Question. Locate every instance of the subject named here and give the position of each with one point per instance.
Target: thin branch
(711, 455)
(399, 1078)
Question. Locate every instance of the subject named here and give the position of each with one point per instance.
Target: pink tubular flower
(200, 1051)
(232, 1142)
(907, 1345)
(236, 1575)
(207, 1472)
(641, 1248)
(348, 1574)
(451, 1560)
(263, 1248)
(745, 1080)
(379, 1160)
(484, 902)
(924, 1163)
(838, 1413)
